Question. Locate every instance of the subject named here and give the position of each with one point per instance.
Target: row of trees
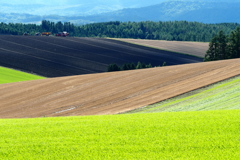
(45, 26)
(129, 66)
(224, 46)
(171, 30)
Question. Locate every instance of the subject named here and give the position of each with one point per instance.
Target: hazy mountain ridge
(201, 11)
(190, 10)
(43, 10)
(70, 7)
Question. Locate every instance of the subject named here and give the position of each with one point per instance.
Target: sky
(80, 7)
(71, 7)
(51, 2)
(73, 2)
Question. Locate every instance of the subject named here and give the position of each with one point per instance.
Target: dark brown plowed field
(109, 93)
(56, 56)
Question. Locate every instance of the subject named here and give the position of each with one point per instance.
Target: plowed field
(192, 48)
(109, 93)
(56, 56)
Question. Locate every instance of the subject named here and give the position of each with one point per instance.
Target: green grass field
(10, 75)
(221, 96)
(170, 135)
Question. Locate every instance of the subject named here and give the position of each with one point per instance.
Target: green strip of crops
(10, 75)
(221, 96)
(175, 135)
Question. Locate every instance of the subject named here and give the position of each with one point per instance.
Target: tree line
(45, 26)
(170, 30)
(223, 46)
(130, 66)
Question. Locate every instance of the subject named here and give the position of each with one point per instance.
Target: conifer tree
(218, 48)
(234, 44)
(113, 67)
(223, 47)
(133, 66)
(125, 67)
(149, 65)
(139, 65)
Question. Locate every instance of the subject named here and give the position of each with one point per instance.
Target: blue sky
(72, 7)
(72, 2)
(39, 1)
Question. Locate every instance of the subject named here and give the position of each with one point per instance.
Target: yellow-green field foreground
(171, 135)
(9, 75)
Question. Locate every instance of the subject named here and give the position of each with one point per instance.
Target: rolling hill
(56, 57)
(192, 48)
(109, 93)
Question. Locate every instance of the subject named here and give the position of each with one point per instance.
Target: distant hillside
(27, 11)
(200, 11)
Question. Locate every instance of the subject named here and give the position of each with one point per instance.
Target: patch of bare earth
(192, 48)
(109, 93)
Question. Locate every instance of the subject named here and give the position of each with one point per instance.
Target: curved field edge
(146, 45)
(224, 95)
(8, 75)
(196, 49)
(109, 93)
(178, 135)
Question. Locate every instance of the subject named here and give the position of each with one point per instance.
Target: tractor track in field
(109, 93)
(50, 52)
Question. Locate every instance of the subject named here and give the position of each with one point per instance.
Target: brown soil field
(192, 48)
(109, 93)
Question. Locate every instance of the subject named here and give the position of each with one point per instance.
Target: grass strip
(9, 76)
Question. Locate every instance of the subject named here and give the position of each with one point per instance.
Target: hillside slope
(56, 57)
(224, 95)
(109, 93)
(194, 10)
(192, 48)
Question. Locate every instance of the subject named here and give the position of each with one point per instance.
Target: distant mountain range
(211, 11)
(70, 7)
(200, 11)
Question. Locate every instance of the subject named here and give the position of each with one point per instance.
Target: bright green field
(10, 75)
(221, 96)
(169, 135)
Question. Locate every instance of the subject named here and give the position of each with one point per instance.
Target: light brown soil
(193, 48)
(109, 93)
